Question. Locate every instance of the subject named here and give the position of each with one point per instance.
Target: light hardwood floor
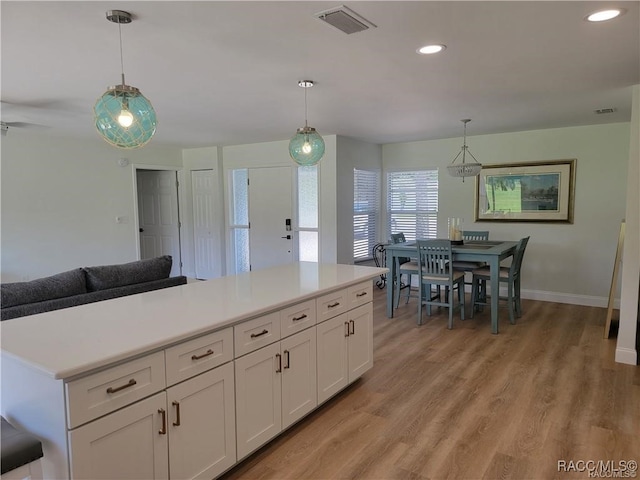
(465, 404)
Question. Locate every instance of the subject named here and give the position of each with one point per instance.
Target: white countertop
(72, 341)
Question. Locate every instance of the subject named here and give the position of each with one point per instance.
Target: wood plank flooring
(465, 404)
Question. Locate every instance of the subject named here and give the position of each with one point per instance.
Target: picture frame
(526, 192)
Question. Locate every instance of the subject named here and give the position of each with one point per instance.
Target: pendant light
(307, 146)
(464, 169)
(123, 116)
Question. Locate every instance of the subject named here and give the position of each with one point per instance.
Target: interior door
(270, 206)
(205, 233)
(158, 215)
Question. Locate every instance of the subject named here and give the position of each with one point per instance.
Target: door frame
(181, 201)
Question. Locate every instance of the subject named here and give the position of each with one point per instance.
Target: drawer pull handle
(206, 354)
(361, 294)
(332, 305)
(301, 317)
(131, 383)
(263, 332)
(177, 405)
(353, 327)
(279, 367)
(163, 413)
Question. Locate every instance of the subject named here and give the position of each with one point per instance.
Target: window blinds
(366, 208)
(412, 204)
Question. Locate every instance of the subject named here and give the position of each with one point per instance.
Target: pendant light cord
(121, 56)
(305, 105)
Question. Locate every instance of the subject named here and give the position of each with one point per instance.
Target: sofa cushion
(56, 286)
(111, 276)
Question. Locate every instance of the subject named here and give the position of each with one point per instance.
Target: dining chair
(435, 269)
(509, 275)
(404, 266)
(467, 266)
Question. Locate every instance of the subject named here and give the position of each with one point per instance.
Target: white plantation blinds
(366, 208)
(412, 204)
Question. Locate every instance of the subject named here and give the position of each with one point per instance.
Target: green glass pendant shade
(124, 117)
(306, 147)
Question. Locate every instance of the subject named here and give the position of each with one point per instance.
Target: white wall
(570, 263)
(626, 349)
(60, 199)
(351, 153)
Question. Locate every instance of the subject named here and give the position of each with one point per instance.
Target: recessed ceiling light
(429, 49)
(603, 15)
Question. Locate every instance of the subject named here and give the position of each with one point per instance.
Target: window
(366, 208)
(412, 204)
(308, 214)
(239, 219)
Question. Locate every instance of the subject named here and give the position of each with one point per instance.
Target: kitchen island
(187, 381)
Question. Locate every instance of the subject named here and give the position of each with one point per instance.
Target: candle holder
(455, 230)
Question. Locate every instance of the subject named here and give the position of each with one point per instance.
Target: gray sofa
(85, 285)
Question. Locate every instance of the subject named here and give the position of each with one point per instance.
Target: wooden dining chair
(435, 269)
(467, 266)
(404, 266)
(509, 275)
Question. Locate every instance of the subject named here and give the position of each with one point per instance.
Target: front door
(270, 217)
(158, 215)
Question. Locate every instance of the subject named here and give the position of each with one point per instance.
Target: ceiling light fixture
(430, 49)
(123, 116)
(307, 146)
(604, 15)
(464, 169)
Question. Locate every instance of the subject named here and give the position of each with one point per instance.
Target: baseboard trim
(627, 355)
(570, 298)
(560, 297)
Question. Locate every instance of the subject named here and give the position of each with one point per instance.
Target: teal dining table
(492, 252)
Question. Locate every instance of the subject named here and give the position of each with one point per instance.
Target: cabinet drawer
(332, 304)
(256, 333)
(103, 392)
(360, 294)
(297, 317)
(198, 355)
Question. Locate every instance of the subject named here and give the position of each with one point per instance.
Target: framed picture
(526, 192)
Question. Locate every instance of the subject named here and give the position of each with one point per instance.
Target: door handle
(141, 230)
(288, 237)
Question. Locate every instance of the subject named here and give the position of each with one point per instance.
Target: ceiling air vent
(345, 20)
(600, 111)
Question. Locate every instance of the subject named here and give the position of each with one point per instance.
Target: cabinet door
(258, 398)
(202, 430)
(333, 373)
(128, 444)
(360, 340)
(299, 385)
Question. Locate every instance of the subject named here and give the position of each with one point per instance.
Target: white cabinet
(275, 386)
(127, 444)
(201, 425)
(299, 386)
(185, 432)
(345, 350)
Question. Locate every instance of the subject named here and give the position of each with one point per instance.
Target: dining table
(492, 252)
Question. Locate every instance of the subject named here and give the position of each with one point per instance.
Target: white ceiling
(224, 73)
